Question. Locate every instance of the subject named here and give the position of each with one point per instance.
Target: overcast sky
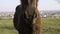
(9, 5)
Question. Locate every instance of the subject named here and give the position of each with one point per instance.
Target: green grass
(6, 27)
(50, 26)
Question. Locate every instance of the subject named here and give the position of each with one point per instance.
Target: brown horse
(27, 18)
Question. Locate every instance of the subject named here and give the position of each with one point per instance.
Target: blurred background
(49, 11)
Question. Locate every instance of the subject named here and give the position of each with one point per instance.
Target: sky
(10, 5)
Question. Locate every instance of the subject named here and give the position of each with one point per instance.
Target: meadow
(50, 26)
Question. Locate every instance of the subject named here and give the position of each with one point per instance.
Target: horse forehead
(30, 9)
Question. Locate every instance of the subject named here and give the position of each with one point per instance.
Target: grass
(6, 27)
(50, 26)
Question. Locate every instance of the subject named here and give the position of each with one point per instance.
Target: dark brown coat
(27, 18)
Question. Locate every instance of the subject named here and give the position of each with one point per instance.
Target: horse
(27, 18)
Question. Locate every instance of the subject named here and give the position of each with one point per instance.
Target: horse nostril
(29, 15)
(35, 16)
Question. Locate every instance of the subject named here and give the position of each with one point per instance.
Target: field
(50, 26)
